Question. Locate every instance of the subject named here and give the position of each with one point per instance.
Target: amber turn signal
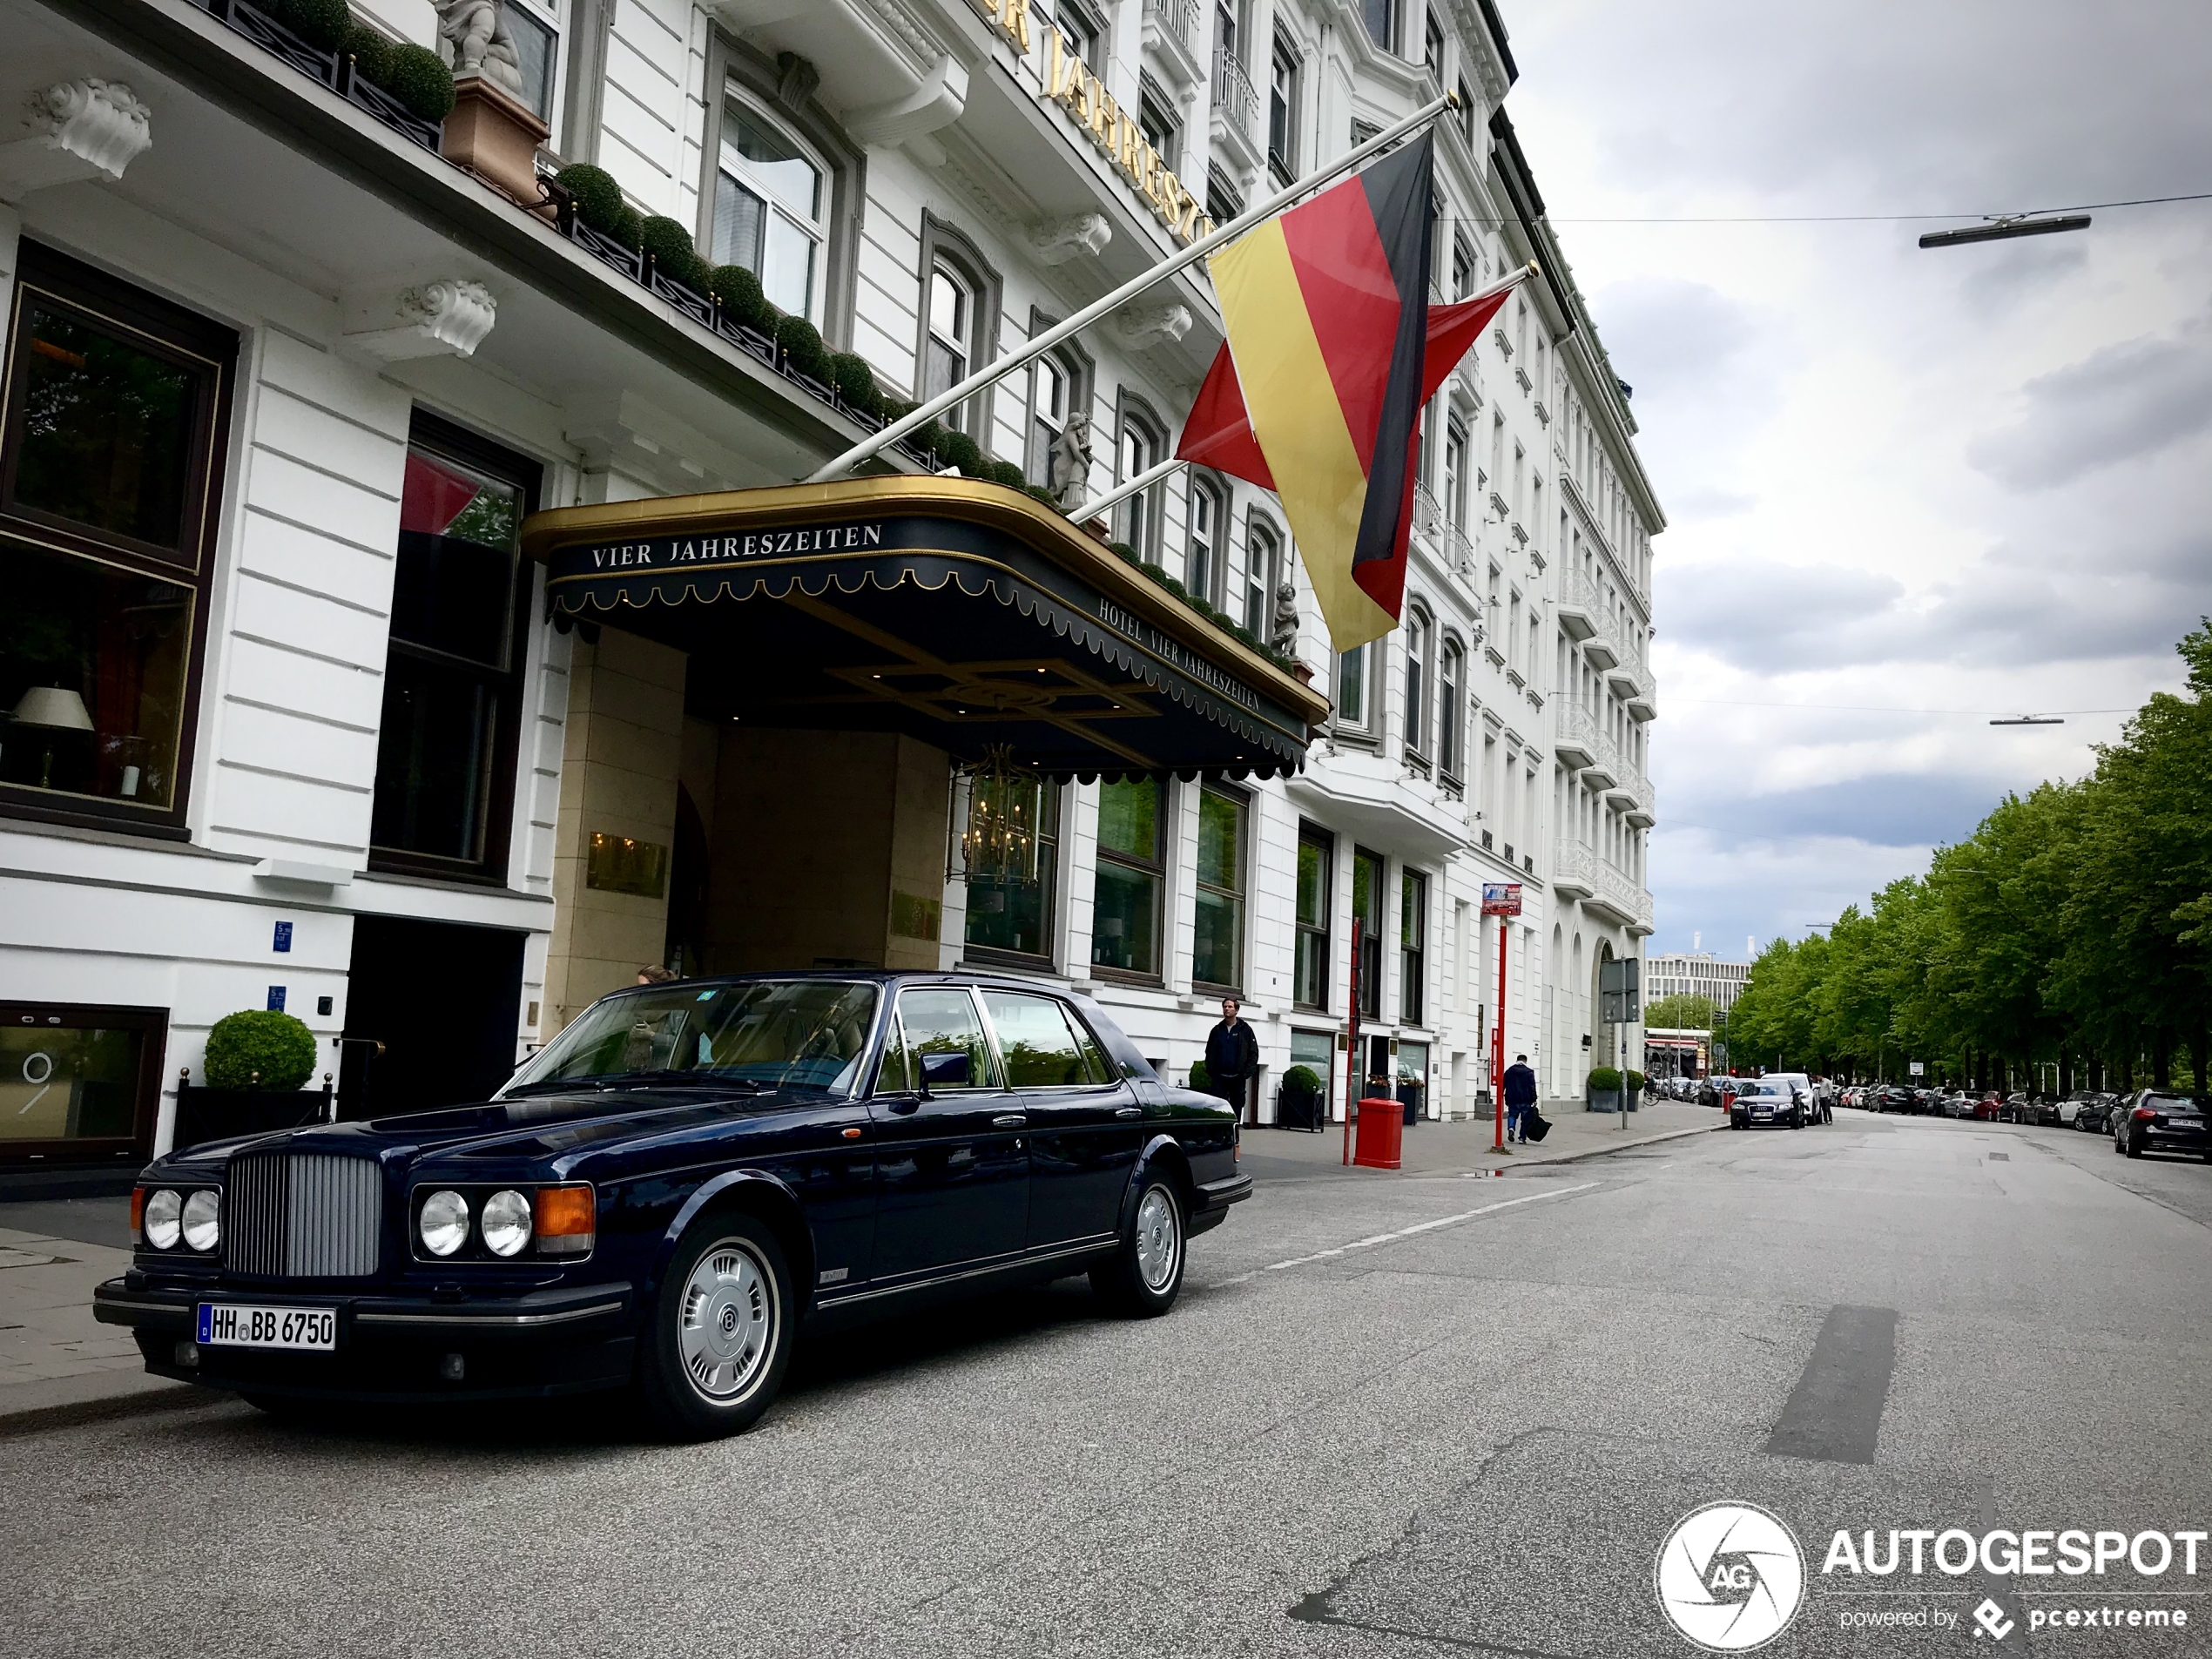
(565, 1219)
(138, 1214)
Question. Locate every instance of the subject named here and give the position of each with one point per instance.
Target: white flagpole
(1121, 493)
(926, 412)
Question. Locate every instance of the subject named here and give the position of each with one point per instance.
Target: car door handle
(1129, 1111)
(1009, 1120)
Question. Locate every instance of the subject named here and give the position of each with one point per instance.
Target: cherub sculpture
(481, 43)
(1070, 463)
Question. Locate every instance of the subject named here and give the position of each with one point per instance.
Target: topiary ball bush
(738, 292)
(1604, 1079)
(1005, 472)
(630, 229)
(321, 23)
(597, 198)
(803, 348)
(275, 1045)
(928, 435)
(669, 247)
(1198, 1074)
(1636, 1080)
(420, 80)
(1301, 1080)
(1124, 550)
(1041, 492)
(855, 382)
(962, 451)
(371, 52)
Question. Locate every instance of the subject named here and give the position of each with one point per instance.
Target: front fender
(762, 1192)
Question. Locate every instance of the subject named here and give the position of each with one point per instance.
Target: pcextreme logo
(1729, 1577)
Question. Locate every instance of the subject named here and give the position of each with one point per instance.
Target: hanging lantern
(999, 844)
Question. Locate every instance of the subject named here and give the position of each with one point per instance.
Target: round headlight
(202, 1228)
(507, 1223)
(162, 1210)
(444, 1225)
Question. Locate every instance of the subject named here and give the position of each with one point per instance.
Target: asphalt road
(1390, 1416)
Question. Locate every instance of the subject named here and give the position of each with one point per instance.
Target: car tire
(1144, 1274)
(717, 1339)
(2133, 1145)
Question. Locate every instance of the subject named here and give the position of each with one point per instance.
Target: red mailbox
(1381, 1134)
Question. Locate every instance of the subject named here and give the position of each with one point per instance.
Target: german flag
(1317, 395)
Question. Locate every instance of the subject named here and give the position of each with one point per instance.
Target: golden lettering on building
(1068, 82)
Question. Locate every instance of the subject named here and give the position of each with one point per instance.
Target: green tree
(1680, 1013)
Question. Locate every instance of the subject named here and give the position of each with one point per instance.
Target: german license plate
(234, 1326)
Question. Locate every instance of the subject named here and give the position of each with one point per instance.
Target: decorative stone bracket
(1056, 241)
(1139, 327)
(936, 102)
(448, 317)
(87, 128)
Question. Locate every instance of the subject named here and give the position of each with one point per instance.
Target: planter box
(218, 1114)
(1602, 1100)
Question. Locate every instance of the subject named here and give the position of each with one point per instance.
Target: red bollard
(1382, 1134)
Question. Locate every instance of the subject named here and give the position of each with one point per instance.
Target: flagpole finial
(1451, 97)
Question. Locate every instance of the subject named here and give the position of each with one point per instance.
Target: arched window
(960, 320)
(1450, 696)
(952, 307)
(1209, 523)
(1417, 645)
(1263, 569)
(770, 205)
(1141, 447)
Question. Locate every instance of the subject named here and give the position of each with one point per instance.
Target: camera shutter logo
(1729, 1577)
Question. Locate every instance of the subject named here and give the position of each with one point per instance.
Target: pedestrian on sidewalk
(1520, 1098)
(1233, 1055)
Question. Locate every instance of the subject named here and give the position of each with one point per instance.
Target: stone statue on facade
(481, 43)
(1283, 636)
(1069, 463)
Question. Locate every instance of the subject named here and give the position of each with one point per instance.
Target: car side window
(1037, 1042)
(1102, 1069)
(945, 1022)
(896, 1075)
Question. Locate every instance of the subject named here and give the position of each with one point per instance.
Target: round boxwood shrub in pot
(420, 80)
(321, 23)
(737, 291)
(962, 451)
(855, 382)
(670, 245)
(258, 1049)
(803, 348)
(1005, 472)
(371, 52)
(597, 197)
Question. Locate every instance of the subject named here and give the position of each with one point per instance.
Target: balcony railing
(1177, 17)
(1576, 743)
(1233, 95)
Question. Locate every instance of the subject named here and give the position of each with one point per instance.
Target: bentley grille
(303, 1214)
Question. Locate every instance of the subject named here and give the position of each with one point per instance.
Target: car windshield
(778, 1034)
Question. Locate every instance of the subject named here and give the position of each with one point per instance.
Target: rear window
(2174, 1102)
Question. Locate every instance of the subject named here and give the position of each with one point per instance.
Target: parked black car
(676, 1186)
(1773, 1104)
(1894, 1097)
(2093, 1112)
(2157, 1120)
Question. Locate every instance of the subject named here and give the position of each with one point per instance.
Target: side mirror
(944, 1070)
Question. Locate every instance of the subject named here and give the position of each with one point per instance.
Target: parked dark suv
(2153, 1120)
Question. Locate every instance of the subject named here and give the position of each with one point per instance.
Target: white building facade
(289, 721)
(1697, 974)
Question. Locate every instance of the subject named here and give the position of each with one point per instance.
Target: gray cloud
(2120, 404)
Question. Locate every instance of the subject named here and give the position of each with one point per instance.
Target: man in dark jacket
(1520, 1098)
(1233, 1055)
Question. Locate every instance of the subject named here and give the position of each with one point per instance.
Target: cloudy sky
(1972, 479)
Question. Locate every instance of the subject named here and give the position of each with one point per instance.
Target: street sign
(1501, 898)
(1919, 1068)
(1620, 996)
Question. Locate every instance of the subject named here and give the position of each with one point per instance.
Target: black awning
(963, 613)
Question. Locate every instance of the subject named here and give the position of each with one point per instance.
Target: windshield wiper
(610, 1080)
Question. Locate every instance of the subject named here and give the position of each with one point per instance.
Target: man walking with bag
(1233, 1056)
(1520, 1098)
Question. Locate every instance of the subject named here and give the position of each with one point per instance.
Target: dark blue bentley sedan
(668, 1191)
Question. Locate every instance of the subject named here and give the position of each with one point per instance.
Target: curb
(94, 1397)
(1605, 1151)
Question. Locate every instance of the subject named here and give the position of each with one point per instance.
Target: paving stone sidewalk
(55, 1360)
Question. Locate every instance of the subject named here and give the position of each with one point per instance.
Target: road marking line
(1421, 1227)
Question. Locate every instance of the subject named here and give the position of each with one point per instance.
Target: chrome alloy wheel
(727, 1327)
(1159, 1240)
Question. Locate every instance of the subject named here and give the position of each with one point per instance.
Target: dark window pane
(1033, 1038)
(946, 1022)
(1124, 928)
(1129, 819)
(68, 1084)
(93, 664)
(433, 759)
(456, 586)
(1219, 927)
(533, 57)
(105, 430)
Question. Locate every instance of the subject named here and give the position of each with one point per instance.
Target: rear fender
(1162, 1156)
